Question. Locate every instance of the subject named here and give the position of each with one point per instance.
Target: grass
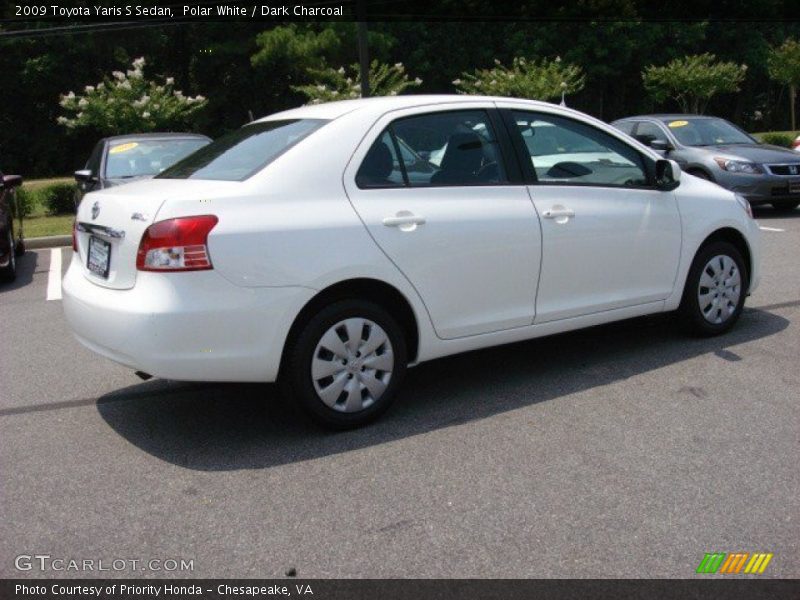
(39, 223)
(43, 225)
(35, 184)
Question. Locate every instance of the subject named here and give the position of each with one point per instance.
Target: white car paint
(486, 267)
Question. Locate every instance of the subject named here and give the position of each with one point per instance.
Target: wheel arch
(732, 236)
(695, 169)
(385, 295)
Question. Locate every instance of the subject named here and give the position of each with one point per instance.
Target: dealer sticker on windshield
(123, 148)
(674, 124)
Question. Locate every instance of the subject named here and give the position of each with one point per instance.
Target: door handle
(405, 220)
(558, 213)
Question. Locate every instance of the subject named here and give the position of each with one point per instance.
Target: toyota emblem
(95, 210)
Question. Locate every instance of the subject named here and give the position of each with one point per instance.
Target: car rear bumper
(193, 326)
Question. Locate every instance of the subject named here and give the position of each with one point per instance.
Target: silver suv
(714, 149)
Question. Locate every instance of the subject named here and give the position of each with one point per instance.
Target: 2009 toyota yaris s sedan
(331, 246)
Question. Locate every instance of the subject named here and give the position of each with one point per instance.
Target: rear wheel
(715, 289)
(347, 363)
(9, 272)
(786, 206)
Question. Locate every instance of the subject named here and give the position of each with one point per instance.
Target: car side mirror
(661, 145)
(84, 176)
(668, 174)
(12, 181)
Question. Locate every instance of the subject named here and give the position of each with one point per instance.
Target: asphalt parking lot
(622, 451)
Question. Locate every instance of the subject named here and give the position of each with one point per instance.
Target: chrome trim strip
(100, 230)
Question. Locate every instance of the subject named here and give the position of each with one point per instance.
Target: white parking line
(54, 276)
(771, 229)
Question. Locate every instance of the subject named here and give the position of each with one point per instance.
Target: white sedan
(305, 248)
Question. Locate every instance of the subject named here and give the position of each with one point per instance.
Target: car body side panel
(706, 208)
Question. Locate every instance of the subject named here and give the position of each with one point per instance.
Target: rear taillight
(74, 236)
(176, 245)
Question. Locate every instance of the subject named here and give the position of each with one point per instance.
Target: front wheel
(715, 290)
(347, 363)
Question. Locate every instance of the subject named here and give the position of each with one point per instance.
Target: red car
(10, 246)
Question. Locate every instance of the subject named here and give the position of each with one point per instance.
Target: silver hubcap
(720, 289)
(352, 365)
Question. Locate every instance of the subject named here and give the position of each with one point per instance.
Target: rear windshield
(244, 152)
(137, 158)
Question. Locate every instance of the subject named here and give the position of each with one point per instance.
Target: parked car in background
(11, 245)
(304, 247)
(127, 158)
(715, 149)
(796, 144)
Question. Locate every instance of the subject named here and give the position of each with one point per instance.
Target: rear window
(244, 152)
(136, 158)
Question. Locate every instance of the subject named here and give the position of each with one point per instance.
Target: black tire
(690, 312)
(785, 207)
(9, 272)
(297, 375)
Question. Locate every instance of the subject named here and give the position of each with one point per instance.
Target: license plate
(99, 258)
(794, 186)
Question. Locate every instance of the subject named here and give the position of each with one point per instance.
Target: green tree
(693, 80)
(127, 102)
(784, 67)
(536, 80)
(341, 84)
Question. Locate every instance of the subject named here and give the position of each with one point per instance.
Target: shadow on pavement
(767, 213)
(26, 267)
(214, 427)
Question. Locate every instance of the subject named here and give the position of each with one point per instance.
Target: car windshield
(145, 157)
(242, 153)
(706, 132)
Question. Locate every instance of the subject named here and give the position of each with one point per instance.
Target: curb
(52, 241)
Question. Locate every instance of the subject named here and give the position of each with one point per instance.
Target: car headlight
(744, 167)
(745, 205)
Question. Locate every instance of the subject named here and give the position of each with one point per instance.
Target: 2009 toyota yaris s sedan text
(331, 246)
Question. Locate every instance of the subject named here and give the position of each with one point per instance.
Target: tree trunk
(792, 94)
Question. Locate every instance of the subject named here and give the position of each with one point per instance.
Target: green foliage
(536, 80)
(784, 63)
(778, 139)
(23, 203)
(693, 80)
(342, 84)
(58, 198)
(129, 103)
(293, 49)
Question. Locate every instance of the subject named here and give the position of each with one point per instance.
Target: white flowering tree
(342, 84)
(535, 80)
(127, 103)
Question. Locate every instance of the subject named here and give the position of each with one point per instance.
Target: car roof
(667, 116)
(156, 135)
(334, 110)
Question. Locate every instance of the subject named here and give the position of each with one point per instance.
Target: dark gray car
(715, 149)
(126, 158)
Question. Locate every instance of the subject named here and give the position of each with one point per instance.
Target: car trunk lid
(110, 225)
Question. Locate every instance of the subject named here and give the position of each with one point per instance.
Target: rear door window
(455, 148)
